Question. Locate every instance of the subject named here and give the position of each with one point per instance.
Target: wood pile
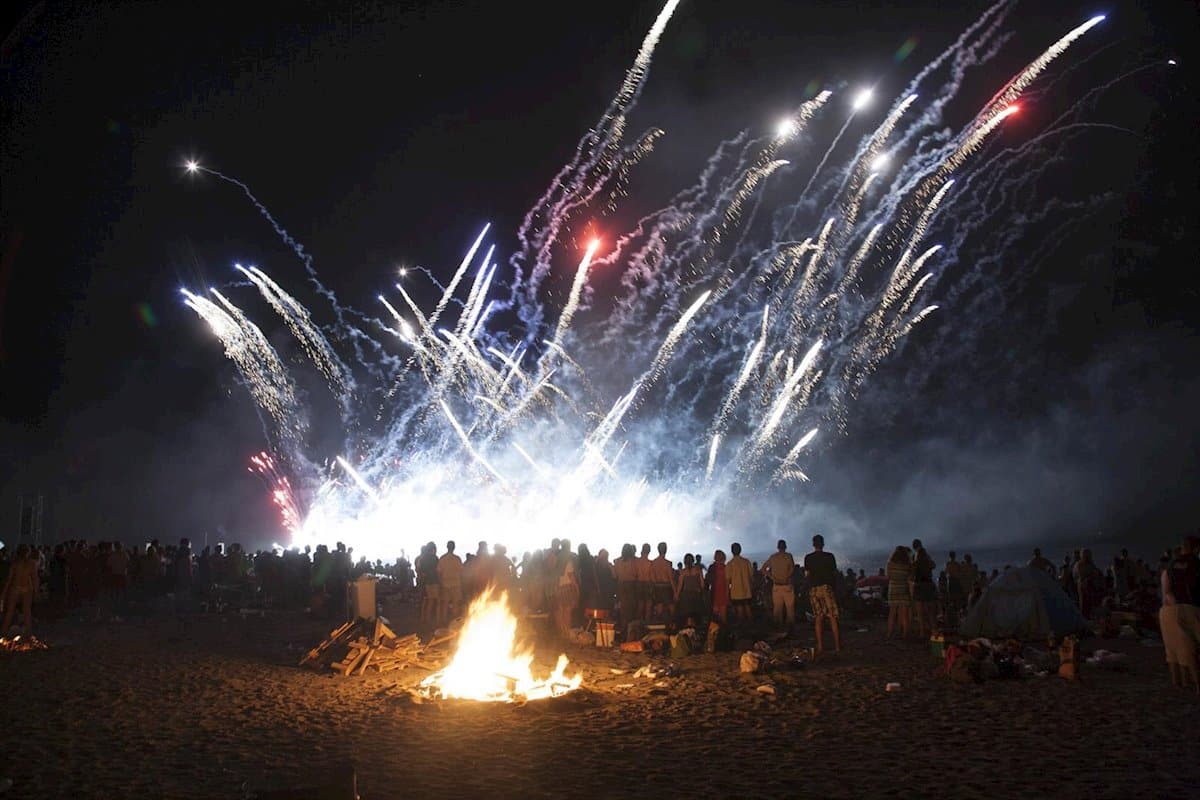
(357, 646)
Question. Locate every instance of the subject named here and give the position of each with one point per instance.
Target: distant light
(403, 271)
(1171, 61)
(192, 166)
(786, 128)
(861, 99)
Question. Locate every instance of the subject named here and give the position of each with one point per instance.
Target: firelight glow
(488, 664)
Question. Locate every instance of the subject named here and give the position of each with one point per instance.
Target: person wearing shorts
(780, 567)
(822, 572)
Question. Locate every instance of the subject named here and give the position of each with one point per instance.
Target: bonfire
(489, 666)
(21, 644)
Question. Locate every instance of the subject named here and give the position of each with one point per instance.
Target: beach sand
(213, 706)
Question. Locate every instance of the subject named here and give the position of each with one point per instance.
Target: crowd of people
(104, 577)
(569, 584)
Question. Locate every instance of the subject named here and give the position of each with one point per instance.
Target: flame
(22, 644)
(488, 666)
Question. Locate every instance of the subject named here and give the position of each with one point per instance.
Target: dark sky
(383, 134)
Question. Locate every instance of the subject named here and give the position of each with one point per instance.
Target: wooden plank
(329, 641)
(366, 662)
(350, 663)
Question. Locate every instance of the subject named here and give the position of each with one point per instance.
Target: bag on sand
(681, 646)
(750, 662)
(966, 669)
(710, 641)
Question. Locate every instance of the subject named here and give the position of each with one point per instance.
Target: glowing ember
(489, 667)
(21, 644)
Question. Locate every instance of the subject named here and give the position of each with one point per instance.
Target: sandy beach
(206, 705)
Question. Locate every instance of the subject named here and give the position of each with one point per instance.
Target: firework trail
(291, 516)
(300, 323)
(685, 361)
(584, 176)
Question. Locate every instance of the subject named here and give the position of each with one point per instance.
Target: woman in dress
(689, 592)
(899, 568)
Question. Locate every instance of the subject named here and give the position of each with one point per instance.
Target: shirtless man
(21, 587)
(645, 577)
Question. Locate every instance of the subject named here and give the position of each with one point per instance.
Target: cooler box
(605, 634)
(362, 598)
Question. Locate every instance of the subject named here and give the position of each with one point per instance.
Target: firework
(475, 437)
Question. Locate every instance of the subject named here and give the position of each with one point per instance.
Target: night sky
(386, 134)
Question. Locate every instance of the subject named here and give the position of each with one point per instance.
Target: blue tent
(1023, 603)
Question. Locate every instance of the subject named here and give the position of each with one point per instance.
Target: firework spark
(674, 382)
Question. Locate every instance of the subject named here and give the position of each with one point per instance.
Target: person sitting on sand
(899, 599)
(779, 569)
(1179, 617)
(821, 570)
(20, 587)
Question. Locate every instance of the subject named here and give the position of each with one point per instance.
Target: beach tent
(1023, 603)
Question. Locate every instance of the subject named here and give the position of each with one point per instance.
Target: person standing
(689, 593)
(645, 579)
(606, 582)
(1039, 561)
(663, 590)
(427, 582)
(924, 590)
(21, 586)
(956, 591)
(625, 570)
(450, 594)
(779, 568)
(1089, 584)
(718, 586)
(1179, 617)
(821, 570)
(741, 583)
(568, 590)
(899, 599)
